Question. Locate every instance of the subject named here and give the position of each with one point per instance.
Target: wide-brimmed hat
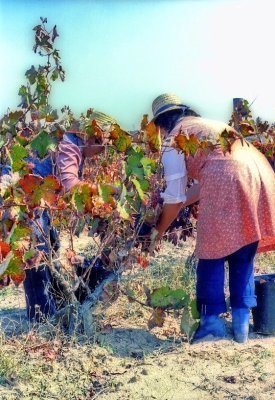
(166, 102)
(102, 119)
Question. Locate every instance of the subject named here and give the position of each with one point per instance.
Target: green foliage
(17, 154)
(166, 298)
(20, 232)
(42, 143)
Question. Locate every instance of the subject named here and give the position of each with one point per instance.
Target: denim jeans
(210, 282)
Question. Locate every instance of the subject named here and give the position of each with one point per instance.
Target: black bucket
(264, 313)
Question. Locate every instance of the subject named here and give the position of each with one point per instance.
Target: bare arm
(170, 211)
(192, 194)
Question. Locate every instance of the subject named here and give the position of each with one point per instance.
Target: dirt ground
(126, 360)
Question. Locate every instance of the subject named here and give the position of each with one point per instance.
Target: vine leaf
(31, 74)
(37, 188)
(122, 140)
(246, 129)
(153, 136)
(42, 143)
(17, 154)
(4, 249)
(82, 197)
(54, 33)
(165, 297)
(29, 183)
(20, 232)
(140, 191)
(106, 191)
(144, 122)
(193, 308)
(123, 212)
(15, 268)
(134, 165)
(149, 165)
(156, 319)
(187, 323)
(188, 144)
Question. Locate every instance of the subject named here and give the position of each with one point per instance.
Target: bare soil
(126, 360)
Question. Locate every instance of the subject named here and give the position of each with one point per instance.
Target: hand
(154, 241)
(92, 147)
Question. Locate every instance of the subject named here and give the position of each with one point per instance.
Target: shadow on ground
(14, 321)
(133, 342)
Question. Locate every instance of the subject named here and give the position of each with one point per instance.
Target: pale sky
(120, 54)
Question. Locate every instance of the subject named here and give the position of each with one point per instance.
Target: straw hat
(102, 119)
(166, 102)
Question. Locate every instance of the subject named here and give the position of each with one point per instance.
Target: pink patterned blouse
(237, 194)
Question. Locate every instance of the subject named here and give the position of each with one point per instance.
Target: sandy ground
(126, 360)
(135, 363)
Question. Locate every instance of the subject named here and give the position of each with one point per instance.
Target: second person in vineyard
(236, 193)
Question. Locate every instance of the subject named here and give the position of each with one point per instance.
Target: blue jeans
(210, 282)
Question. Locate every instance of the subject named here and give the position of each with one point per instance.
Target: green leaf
(122, 212)
(81, 197)
(193, 307)
(55, 74)
(165, 297)
(15, 267)
(17, 154)
(42, 143)
(78, 200)
(14, 116)
(134, 165)
(105, 191)
(144, 184)
(137, 171)
(139, 189)
(31, 74)
(19, 233)
(29, 254)
(187, 324)
(149, 166)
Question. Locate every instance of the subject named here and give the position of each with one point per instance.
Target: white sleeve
(175, 176)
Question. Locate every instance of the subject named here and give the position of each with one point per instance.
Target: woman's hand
(92, 147)
(155, 238)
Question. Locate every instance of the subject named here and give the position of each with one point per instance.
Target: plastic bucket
(264, 313)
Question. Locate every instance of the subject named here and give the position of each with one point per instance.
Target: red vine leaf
(4, 250)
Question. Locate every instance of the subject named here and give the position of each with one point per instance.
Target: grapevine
(118, 197)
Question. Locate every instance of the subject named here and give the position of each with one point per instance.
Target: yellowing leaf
(122, 212)
(188, 144)
(153, 136)
(144, 122)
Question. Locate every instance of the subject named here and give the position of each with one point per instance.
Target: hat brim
(174, 107)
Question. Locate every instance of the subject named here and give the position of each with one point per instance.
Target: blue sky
(119, 55)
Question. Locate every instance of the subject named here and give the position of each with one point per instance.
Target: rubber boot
(210, 325)
(240, 324)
